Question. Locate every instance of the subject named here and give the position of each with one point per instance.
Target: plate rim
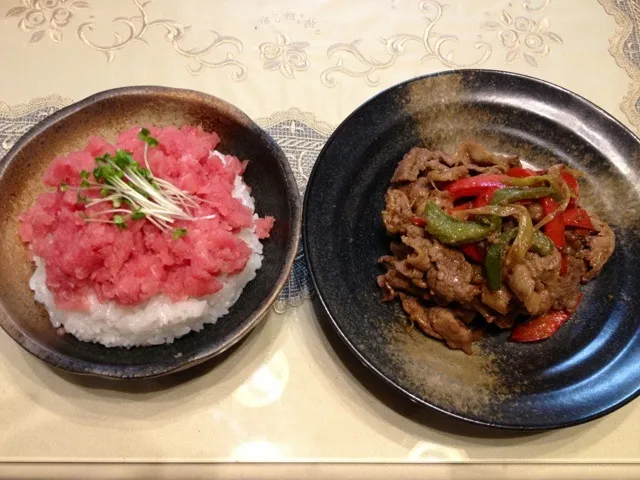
(341, 334)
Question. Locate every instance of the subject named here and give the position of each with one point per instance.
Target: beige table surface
(291, 392)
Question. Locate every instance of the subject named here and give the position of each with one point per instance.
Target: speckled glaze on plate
(108, 113)
(590, 367)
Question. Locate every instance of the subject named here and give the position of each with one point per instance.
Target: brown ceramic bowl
(107, 113)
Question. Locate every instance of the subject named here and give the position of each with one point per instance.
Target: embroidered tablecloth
(291, 392)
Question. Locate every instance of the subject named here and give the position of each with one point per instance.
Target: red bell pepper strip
(520, 172)
(418, 222)
(573, 185)
(473, 186)
(571, 181)
(540, 327)
(485, 197)
(555, 228)
(577, 217)
(473, 251)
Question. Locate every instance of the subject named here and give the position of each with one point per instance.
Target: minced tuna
(89, 266)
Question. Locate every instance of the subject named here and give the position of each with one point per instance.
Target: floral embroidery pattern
(289, 17)
(42, 16)
(523, 36)
(284, 55)
(535, 5)
(436, 46)
(137, 26)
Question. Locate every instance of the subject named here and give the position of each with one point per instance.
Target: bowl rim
(156, 369)
(321, 298)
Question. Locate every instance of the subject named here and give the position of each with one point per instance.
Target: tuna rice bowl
(144, 239)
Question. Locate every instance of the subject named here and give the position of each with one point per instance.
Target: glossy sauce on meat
(443, 290)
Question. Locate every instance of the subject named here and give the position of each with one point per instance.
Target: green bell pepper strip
(451, 231)
(508, 195)
(493, 260)
(524, 238)
(493, 266)
(542, 245)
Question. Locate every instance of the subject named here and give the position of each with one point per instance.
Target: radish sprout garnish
(123, 182)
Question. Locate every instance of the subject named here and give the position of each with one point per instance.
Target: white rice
(158, 320)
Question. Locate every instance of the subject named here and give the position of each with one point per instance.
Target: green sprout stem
(120, 179)
(146, 157)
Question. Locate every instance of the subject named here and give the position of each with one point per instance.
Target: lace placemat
(300, 135)
(625, 48)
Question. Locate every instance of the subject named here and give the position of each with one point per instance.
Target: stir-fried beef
(438, 322)
(420, 160)
(451, 275)
(419, 254)
(566, 292)
(402, 266)
(599, 248)
(397, 213)
(533, 279)
(393, 282)
(498, 300)
(421, 191)
(479, 159)
(445, 282)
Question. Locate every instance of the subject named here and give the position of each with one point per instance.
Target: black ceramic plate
(590, 367)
